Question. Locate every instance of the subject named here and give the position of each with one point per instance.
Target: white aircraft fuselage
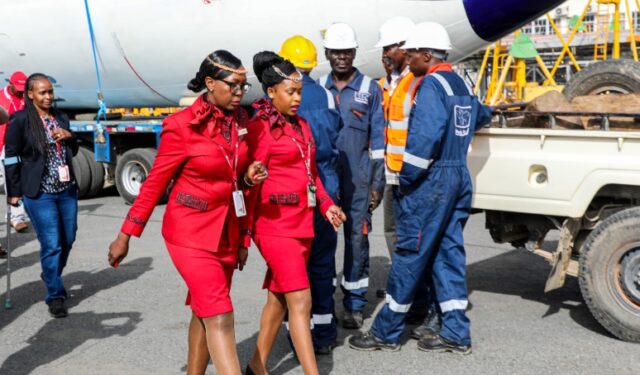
(149, 49)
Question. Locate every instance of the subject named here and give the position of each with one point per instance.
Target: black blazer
(24, 177)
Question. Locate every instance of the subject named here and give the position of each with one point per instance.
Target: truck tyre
(97, 173)
(131, 171)
(606, 77)
(610, 274)
(82, 173)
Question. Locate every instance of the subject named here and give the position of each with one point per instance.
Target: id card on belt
(238, 203)
(311, 195)
(63, 173)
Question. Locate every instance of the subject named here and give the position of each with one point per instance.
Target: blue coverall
(319, 109)
(434, 201)
(360, 170)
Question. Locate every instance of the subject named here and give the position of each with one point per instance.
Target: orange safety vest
(385, 86)
(397, 114)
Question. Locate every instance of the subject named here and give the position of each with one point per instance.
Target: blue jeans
(55, 219)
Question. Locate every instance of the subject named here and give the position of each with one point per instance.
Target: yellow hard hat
(300, 51)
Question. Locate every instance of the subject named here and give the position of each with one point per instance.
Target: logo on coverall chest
(462, 120)
(361, 97)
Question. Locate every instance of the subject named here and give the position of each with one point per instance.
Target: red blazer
(200, 203)
(280, 206)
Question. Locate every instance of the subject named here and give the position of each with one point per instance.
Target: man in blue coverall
(319, 109)
(361, 170)
(434, 199)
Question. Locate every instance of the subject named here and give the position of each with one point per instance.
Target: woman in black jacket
(38, 152)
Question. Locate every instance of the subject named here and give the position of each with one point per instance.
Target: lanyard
(307, 160)
(46, 127)
(234, 166)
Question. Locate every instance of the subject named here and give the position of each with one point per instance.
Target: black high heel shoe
(249, 371)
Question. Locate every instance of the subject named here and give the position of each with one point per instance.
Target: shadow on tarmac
(88, 208)
(378, 269)
(20, 239)
(281, 359)
(59, 337)
(524, 274)
(17, 241)
(514, 272)
(80, 284)
(18, 262)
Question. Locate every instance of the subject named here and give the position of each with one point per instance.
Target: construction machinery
(606, 72)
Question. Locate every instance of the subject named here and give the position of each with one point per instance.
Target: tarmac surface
(132, 320)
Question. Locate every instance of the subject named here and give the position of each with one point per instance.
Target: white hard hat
(394, 30)
(340, 36)
(428, 35)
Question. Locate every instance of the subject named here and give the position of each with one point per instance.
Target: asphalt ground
(132, 320)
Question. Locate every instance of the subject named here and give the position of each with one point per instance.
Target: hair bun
(263, 61)
(197, 83)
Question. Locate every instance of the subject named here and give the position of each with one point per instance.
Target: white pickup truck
(584, 183)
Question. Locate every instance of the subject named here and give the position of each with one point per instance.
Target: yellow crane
(508, 70)
(602, 27)
(509, 74)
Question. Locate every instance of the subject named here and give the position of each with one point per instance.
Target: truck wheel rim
(605, 90)
(630, 275)
(622, 285)
(133, 175)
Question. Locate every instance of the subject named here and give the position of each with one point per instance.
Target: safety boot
(366, 341)
(324, 350)
(430, 327)
(439, 344)
(352, 319)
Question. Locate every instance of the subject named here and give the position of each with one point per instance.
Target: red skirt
(208, 277)
(287, 262)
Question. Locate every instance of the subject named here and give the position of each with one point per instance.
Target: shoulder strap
(410, 95)
(365, 84)
(384, 83)
(322, 81)
(331, 103)
(443, 82)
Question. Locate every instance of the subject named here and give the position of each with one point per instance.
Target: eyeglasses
(237, 87)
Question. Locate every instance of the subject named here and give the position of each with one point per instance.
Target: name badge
(238, 203)
(63, 173)
(242, 131)
(311, 195)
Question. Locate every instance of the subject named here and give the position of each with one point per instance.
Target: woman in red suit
(284, 204)
(204, 151)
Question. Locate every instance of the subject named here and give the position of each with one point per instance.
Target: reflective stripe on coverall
(319, 109)
(360, 105)
(433, 201)
(397, 109)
